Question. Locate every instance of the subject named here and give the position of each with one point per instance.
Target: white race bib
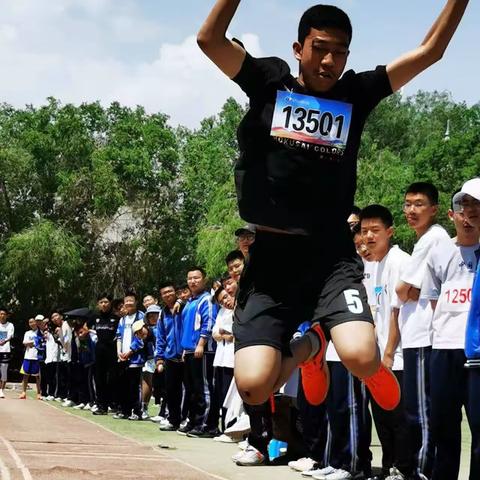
(312, 120)
(456, 297)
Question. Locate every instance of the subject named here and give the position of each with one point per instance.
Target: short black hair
(4, 309)
(197, 268)
(355, 211)
(183, 286)
(116, 303)
(234, 255)
(377, 211)
(324, 16)
(425, 188)
(217, 293)
(106, 295)
(166, 284)
(131, 293)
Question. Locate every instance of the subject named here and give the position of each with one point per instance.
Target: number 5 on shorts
(354, 302)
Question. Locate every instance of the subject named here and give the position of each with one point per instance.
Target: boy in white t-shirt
(7, 331)
(420, 208)
(30, 365)
(448, 284)
(387, 261)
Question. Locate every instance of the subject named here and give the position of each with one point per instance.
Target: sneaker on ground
(99, 412)
(50, 398)
(2, 395)
(80, 406)
(302, 464)
(185, 429)
(237, 455)
(157, 419)
(87, 407)
(384, 387)
(224, 438)
(240, 427)
(315, 374)
(134, 417)
(94, 408)
(167, 427)
(251, 457)
(59, 400)
(145, 415)
(120, 416)
(200, 433)
(338, 474)
(69, 403)
(243, 445)
(395, 475)
(318, 471)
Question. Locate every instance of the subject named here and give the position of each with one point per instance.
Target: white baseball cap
(470, 187)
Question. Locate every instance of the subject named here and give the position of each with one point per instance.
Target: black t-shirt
(105, 324)
(286, 180)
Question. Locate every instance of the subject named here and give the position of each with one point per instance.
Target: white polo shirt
(416, 328)
(450, 273)
(225, 352)
(386, 278)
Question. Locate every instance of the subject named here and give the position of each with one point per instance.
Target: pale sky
(144, 51)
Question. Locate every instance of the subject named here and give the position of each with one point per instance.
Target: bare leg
(37, 379)
(147, 387)
(357, 348)
(25, 383)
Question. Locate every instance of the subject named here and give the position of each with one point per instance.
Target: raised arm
(228, 56)
(431, 50)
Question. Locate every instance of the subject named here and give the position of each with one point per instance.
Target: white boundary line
(4, 471)
(218, 477)
(18, 461)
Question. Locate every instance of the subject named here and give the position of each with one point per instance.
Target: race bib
(455, 298)
(312, 120)
(3, 335)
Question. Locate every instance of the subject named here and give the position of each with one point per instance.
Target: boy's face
(32, 323)
(152, 318)
(168, 296)
(376, 237)
(462, 226)
(184, 294)
(419, 211)
(230, 285)
(196, 281)
(225, 300)
(57, 319)
(130, 304)
(104, 305)
(148, 300)
(322, 58)
(235, 268)
(3, 316)
(244, 240)
(471, 210)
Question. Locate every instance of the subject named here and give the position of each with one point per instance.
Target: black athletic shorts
(290, 279)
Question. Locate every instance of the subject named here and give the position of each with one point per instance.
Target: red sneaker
(384, 387)
(315, 374)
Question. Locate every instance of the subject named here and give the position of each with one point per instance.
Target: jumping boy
(298, 150)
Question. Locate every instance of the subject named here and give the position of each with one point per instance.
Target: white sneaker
(302, 464)
(250, 457)
(80, 406)
(395, 475)
(243, 445)
(225, 439)
(87, 407)
(50, 398)
(94, 408)
(319, 471)
(134, 416)
(157, 419)
(68, 403)
(338, 474)
(240, 427)
(145, 415)
(2, 395)
(58, 399)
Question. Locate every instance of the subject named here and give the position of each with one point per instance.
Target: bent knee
(361, 361)
(253, 390)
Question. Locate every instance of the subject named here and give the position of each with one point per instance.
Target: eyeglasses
(415, 205)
